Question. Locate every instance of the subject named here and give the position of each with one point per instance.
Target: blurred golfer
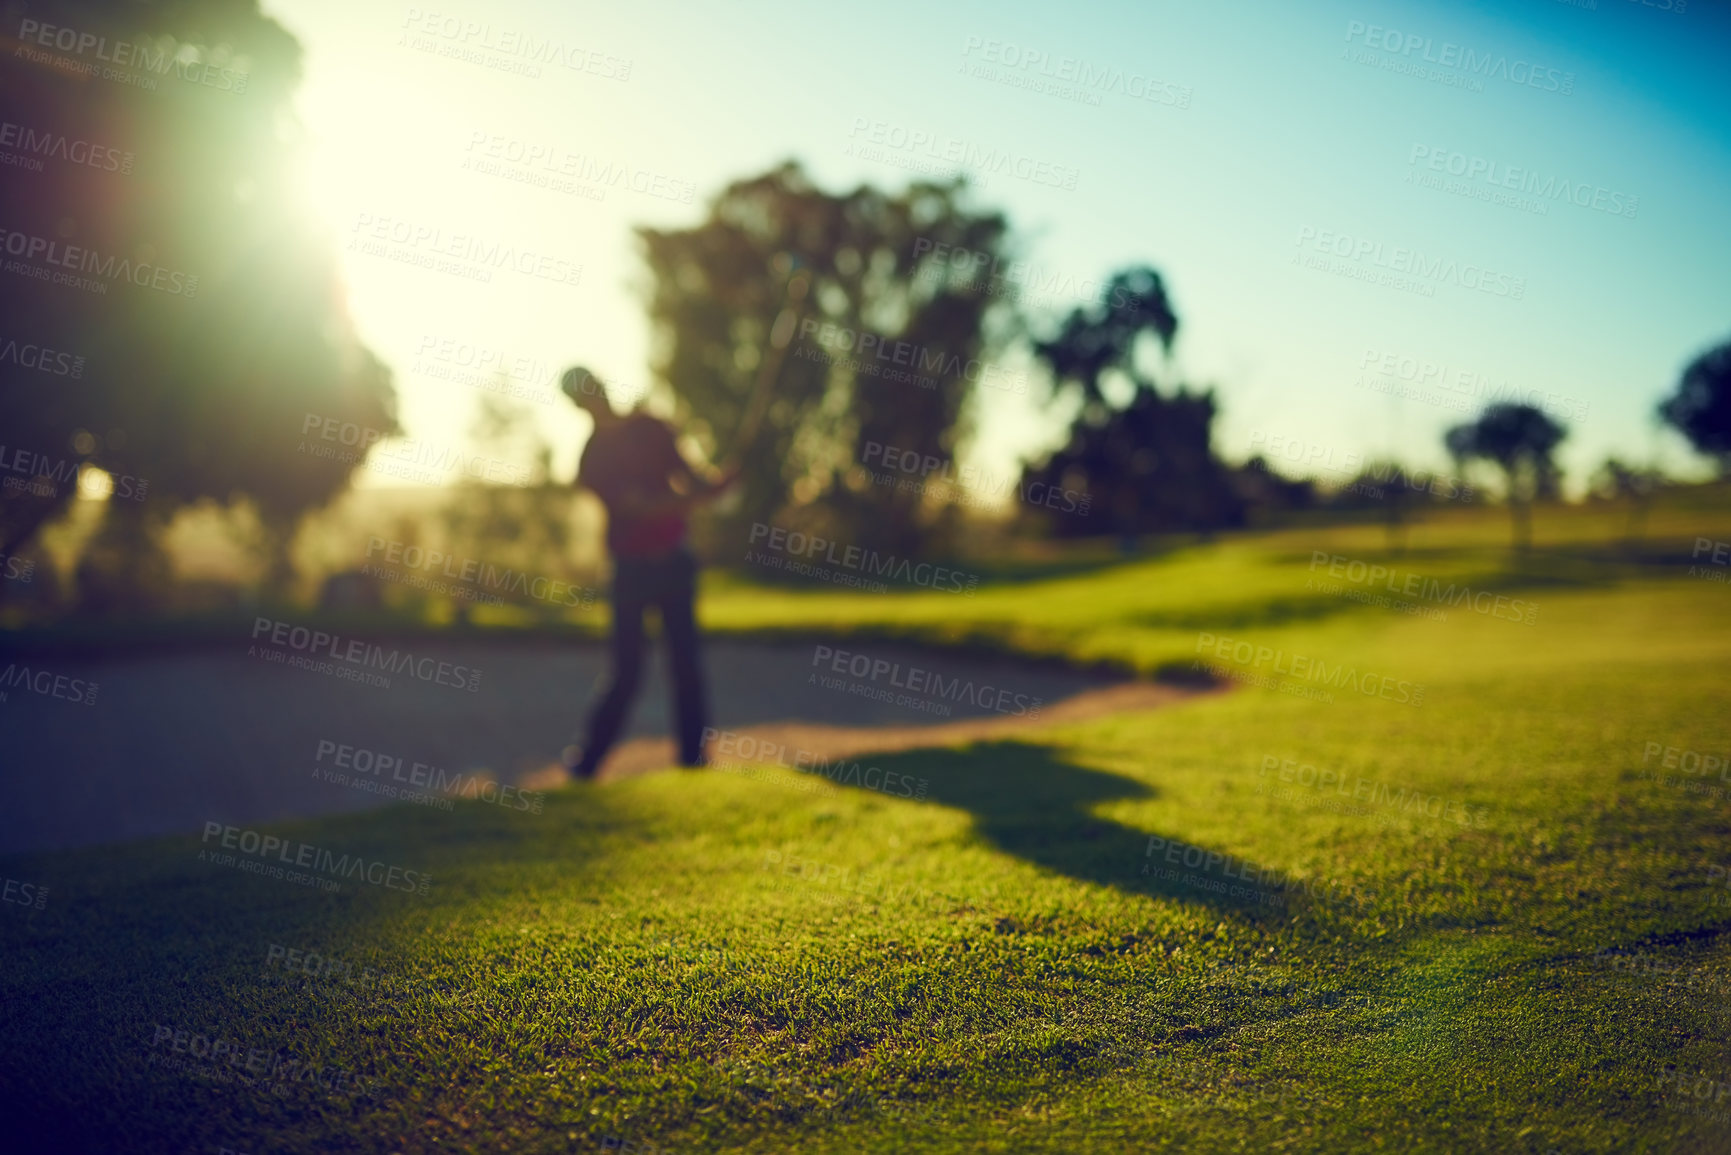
(633, 464)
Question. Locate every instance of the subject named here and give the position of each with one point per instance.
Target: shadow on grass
(1441, 584)
(1573, 564)
(1014, 572)
(1027, 801)
(989, 572)
(144, 937)
(1248, 615)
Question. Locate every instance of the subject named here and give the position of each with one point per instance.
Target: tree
(1148, 463)
(1267, 496)
(891, 337)
(1106, 335)
(1615, 481)
(1386, 486)
(205, 324)
(1398, 493)
(1701, 408)
(1519, 440)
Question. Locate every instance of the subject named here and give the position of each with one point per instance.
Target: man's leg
(609, 715)
(679, 623)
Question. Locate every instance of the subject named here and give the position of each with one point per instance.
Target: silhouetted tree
(1615, 481)
(1396, 493)
(1519, 440)
(1265, 493)
(1147, 465)
(210, 323)
(1701, 408)
(872, 269)
(1387, 487)
(1106, 334)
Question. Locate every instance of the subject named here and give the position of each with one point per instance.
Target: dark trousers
(669, 583)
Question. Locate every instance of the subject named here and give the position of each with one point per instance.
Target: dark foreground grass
(1501, 937)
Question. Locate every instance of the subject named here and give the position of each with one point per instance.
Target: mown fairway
(1503, 932)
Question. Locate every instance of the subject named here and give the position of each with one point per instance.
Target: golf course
(1395, 867)
(788, 579)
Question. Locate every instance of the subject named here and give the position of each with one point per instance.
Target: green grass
(709, 961)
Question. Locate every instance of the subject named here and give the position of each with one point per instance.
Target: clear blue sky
(1271, 132)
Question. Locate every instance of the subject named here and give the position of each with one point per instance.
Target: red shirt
(636, 456)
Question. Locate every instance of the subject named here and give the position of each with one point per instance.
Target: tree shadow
(1027, 801)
